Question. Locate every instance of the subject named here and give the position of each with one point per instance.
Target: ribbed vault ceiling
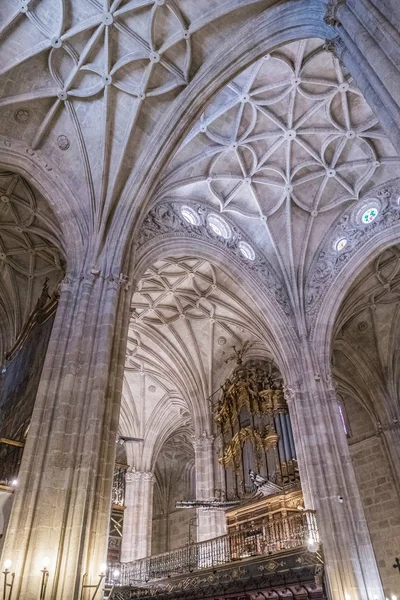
(29, 252)
(285, 148)
(186, 315)
(366, 343)
(86, 82)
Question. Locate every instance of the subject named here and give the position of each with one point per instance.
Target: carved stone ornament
(329, 261)
(203, 442)
(22, 115)
(335, 46)
(140, 476)
(63, 142)
(165, 220)
(67, 284)
(331, 11)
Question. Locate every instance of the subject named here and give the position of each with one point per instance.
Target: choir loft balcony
(276, 558)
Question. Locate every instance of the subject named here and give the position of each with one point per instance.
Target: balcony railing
(293, 530)
(10, 460)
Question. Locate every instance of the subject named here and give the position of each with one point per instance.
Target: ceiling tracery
(285, 146)
(186, 315)
(366, 342)
(87, 81)
(174, 471)
(29, 253)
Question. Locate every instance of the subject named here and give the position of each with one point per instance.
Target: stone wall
(378, 492)
(381, 505)
(172, 532)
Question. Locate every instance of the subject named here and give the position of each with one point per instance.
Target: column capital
(335, 46)
(203, 442)
(332, 7)
(135, 475)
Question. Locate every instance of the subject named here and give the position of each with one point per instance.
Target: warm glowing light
(116, 573)
(14, 482)
(312, 545)
(45, 562)
(103, 569)
(347, 596)
(7, 564)
(394, 597)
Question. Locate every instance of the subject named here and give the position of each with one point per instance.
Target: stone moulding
(329, 262)
(292, 574)
(165, 221)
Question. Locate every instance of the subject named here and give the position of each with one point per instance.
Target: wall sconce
(45, 578)
(86, 586)
(7, 584)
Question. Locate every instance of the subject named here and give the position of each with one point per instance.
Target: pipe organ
(258, 452)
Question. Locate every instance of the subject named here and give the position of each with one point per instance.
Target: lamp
(7, 584)
(45, 578)
(312, 546)
(95, 587)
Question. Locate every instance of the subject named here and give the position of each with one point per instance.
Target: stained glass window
(219, 226)
(341, 244)
(246, 250)
(342, 417)
(369, 215)
(190, 215)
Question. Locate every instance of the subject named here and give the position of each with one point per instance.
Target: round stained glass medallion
(341, 244)
(246, 250)
(219, 226)
(369, 215)
(190, 215)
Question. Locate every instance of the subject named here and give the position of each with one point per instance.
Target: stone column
(368, 44)
(138, 515)
(62, 503)
(329, 485)
(390, 437)
(210, 523)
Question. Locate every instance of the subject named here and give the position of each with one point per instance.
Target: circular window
(247, 251)
(341, 244)
(369, 215)
(219, 226)
(190, 215)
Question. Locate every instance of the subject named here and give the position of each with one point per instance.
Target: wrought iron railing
(293, 530)
(10, 460)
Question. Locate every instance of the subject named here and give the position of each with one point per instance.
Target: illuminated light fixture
(14, 482)
(7, 585)
(312, 546)
(95, 587)
(246, 250)
(45, 578)
(347, 596)
(190, 215)
(116, 573)
(219, 226)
